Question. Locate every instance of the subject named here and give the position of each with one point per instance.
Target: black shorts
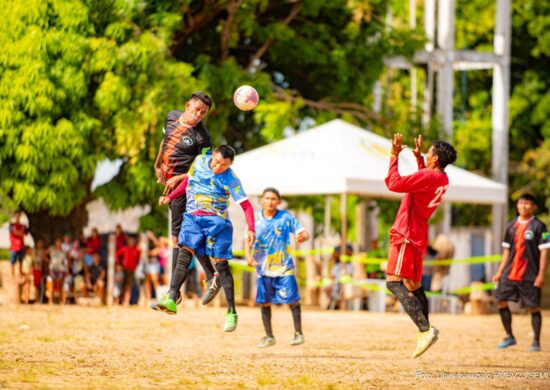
(510, 290)
(177, 208)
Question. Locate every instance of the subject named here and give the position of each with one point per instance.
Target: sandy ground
(98, 347)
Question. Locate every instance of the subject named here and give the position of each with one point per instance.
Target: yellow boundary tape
(363, 259)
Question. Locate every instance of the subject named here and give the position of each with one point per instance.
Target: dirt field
(95, 347)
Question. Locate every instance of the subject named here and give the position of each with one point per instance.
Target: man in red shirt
(130, 256)
(423, 191)
(17, 244)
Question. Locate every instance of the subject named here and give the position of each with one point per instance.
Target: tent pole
(343, 208)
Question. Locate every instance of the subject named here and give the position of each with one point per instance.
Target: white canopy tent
(340, 158)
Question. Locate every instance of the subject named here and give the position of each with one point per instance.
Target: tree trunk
(48, 227)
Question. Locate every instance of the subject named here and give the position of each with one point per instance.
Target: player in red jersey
(522, 269)
(423, 190)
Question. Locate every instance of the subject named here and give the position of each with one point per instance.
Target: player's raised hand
(164, 200)
(418, 150)
(397, 144)
(251, 237)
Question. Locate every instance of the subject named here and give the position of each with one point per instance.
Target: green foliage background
(86, 80)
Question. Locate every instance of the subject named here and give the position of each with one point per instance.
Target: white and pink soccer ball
(246, 98)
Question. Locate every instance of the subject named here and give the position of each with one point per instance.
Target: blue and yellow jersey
(273, 246)
(208, 192)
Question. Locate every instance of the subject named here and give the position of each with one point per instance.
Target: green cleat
(267, 342)
(167, 305)
(230, 322)
(298, 339)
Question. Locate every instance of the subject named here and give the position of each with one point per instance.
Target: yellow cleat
(425, 340)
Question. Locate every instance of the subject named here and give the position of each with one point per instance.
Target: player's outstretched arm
(248, 252)
(418, 152)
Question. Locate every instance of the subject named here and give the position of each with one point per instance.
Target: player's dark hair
(528, 197)
(273, 190)
(445, 152)
(203, 98)
(226, 151)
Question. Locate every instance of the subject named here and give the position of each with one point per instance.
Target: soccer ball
(246, 98)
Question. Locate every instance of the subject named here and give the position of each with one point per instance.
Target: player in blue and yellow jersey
(206, 228)
(274, 264)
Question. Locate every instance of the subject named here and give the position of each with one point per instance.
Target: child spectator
(57, 269)
(40, 269)
(97, 278)
(17, 246)
(93, 245)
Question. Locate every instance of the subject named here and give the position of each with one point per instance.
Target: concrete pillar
(501, 96)
(445, 41)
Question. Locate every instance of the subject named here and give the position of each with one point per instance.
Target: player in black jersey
(185, 137)
(522, 269)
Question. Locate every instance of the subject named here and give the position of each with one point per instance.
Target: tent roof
(337, 157)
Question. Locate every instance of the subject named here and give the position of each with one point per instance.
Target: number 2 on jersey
(439, 191)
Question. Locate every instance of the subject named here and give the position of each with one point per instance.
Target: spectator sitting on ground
(93, 245)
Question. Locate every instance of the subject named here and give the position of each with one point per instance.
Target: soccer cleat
(155, 306)
(168, 306)
(535, 347)
(212, 288)
(425, 340)
(267, 342)
(298, 339)
(230, 322)
(507, 342)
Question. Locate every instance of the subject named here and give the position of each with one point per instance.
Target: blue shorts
(17, 256)
(207, 235)
(279, 290)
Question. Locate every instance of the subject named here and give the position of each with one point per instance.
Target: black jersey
(181, 144)
(525, 239)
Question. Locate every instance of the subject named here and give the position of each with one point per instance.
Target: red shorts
(406, 261)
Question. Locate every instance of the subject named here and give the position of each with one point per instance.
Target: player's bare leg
(404, 289)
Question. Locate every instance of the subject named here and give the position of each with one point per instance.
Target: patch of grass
(265, 377)
(46, 339)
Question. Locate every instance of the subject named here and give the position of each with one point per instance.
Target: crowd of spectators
(74, 268)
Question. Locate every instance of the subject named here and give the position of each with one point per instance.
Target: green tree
(85, 80)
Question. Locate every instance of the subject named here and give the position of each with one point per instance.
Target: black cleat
(212, 288)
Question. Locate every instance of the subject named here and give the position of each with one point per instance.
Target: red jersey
(130, 257)
(93, 245)
(423, 190)
(17, 234)
(120, 241)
